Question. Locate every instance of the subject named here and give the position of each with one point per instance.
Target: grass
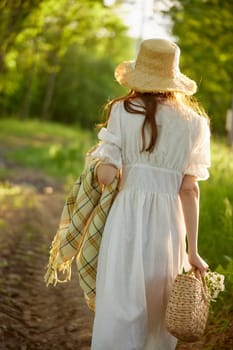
(216, 228)
(216, 207)
(55, 149)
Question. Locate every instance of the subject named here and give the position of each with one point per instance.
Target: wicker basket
(188, 306)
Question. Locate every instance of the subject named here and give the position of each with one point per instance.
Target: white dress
(143, 243)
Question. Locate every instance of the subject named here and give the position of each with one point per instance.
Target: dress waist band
(149, 178)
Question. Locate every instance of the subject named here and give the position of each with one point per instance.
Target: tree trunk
(1, 62)
(28, 95)
(49, 90)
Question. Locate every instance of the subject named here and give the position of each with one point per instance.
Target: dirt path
(33, 316)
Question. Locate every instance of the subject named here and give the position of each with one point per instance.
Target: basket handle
(198, 275)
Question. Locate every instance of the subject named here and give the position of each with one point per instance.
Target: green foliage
(228, 272)
(216, 208)
(204, 29)
(94, 77)
(57, 60)
(221, 310)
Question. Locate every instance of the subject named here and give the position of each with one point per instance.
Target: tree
(204, 31)
(12, 18)
(36, 61)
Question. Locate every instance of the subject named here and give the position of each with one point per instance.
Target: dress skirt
(142, 250)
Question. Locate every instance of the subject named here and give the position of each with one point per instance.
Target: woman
(160, 141)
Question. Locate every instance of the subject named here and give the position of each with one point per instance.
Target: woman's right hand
(106, 173)
(197, 262)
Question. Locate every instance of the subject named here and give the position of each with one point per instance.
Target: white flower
(214, 283)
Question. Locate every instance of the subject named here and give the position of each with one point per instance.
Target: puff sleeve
(109, 151)
(199, 158)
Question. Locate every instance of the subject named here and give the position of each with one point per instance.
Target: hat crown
(156, 69)
(159, 57)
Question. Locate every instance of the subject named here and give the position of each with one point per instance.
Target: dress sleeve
(199, 159)
(109, 150)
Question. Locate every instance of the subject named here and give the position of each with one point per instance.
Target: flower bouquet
(214, 283)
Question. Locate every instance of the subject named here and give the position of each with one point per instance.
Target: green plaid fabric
(80, 231)
(79, 206)
(87, 258)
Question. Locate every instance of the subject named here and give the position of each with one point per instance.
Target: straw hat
(155, 70)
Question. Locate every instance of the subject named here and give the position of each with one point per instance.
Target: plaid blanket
(80, 231)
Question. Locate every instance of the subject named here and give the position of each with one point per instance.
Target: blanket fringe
(56, 264)
(90, 302)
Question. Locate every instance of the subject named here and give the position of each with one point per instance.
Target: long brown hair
(148, 109)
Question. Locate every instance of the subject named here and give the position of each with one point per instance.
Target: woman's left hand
(197, 262)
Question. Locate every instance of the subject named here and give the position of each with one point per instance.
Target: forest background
(57, 58)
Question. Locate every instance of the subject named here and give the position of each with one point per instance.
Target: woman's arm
(189, 195)
(106, 173)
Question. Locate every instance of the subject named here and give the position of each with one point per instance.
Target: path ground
(32, 316)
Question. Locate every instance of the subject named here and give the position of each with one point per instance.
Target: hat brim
(127, 75)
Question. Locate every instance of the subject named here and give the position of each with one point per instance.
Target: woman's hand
(197, 262)
(106, 173)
